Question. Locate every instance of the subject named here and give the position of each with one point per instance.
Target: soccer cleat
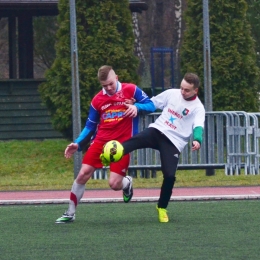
(65, 218)
(104, 161)
(128, 192)
(162, 215)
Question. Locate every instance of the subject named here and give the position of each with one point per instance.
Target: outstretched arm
(86, 134)
(140, 102)
(70, 150)
(197, 138)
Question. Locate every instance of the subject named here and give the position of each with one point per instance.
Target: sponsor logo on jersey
(176, 114)
(118, 103)
(106, 106)
(185, 112)
(172, 119)
(170, 125)
(120, 94)
(113, 115)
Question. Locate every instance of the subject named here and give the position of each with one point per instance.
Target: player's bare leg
(76, 193)
(119, 182)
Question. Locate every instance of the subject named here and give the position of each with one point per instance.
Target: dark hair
(103, 72)
(192, 78)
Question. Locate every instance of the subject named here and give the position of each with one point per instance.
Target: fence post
(76, 118)
(207, 69)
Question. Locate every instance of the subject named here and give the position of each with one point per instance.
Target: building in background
(22, 116)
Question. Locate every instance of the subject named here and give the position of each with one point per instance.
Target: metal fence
(231, 142)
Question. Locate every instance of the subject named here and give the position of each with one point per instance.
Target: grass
(40, 165)
(197, 230)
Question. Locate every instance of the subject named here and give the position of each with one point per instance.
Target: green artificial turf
(197, 230)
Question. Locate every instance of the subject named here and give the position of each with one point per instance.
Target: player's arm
(198, 129)
(143, 102)
(84, 137)
(197, 137)
(160, 100)
(86, 134)
(89, 129)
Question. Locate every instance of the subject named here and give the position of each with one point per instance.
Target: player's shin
(76, 194)
(166, 192)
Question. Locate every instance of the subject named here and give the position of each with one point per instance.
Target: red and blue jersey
(106, 114)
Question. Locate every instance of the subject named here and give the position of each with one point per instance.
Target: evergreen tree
(105, 37)
(253, 15)
(235, 74)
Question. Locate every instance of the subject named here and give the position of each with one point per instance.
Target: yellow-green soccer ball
(113, 151)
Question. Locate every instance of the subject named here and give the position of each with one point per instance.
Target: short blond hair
(103, 72)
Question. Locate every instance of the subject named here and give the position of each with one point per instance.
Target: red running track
(107, 195)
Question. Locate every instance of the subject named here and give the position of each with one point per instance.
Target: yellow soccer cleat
(162, 215)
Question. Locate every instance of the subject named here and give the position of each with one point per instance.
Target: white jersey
(179, 117)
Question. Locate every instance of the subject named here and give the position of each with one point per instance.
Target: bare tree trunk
(162, 25)
(138, 44)
(178, 38)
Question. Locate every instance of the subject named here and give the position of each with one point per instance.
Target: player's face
(110, 84)
(188, 90)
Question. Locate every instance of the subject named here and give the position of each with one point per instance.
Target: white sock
(76, 194)
(125, 183)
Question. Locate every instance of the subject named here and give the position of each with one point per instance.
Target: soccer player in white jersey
(182, 115)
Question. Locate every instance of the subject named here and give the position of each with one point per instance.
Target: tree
(105, 36)
(253, 15)
(235, 74)
(44, 50)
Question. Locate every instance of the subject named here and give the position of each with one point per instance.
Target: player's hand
(195, 146)
(70, 150)
(130, 101)
(131, 110)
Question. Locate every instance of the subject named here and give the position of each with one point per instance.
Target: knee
(169, 174)
(168, 182)
(170, 178)
(115, 184)
(83, 176)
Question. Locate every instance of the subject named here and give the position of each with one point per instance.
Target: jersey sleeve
(143, 102)
(198, 125)
(198, 134)
(89, 129)
(160, 100)
(199, 117)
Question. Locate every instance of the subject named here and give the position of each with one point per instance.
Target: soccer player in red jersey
(110, 117)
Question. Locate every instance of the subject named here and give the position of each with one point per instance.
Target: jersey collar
(191, 98)
(118, 88)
